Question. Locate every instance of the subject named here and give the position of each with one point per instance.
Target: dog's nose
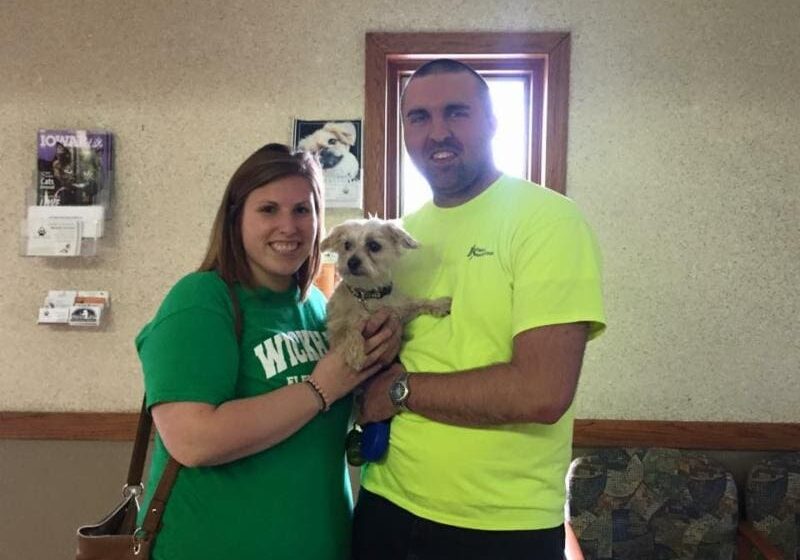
(353, 263)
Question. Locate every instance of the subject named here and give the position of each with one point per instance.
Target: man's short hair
(450, 66)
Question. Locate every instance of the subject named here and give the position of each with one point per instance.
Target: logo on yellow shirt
(476, 251)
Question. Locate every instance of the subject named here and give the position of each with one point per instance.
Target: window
(530, 69)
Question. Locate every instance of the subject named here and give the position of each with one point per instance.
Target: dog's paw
(441, 307)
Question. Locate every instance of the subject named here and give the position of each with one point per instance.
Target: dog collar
(374, 293)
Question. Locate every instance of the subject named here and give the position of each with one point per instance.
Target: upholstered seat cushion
(652, 504)
(772, 501)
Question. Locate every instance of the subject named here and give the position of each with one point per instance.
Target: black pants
(384, 531)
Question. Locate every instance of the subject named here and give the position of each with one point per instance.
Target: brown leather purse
(116, 536)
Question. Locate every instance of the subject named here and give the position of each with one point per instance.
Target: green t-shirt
(516, 257)
(290, 501)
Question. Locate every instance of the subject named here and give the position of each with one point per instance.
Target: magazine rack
(69, 203)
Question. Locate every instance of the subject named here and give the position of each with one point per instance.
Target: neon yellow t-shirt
(516, 257)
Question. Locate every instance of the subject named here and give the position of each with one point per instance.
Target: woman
(262, 446)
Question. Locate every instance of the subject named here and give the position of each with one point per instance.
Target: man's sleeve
(557, 277)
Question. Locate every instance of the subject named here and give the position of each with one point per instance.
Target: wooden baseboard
(735, 436)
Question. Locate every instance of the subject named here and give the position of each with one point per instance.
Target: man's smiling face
(448, 129)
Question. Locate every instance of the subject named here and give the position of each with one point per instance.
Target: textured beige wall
(683, 152)
(49, 488)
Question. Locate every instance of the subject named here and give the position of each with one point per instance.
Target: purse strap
(142, 440)
(158, 503)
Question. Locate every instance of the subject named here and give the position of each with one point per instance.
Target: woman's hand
(383, 334)
(336, 379)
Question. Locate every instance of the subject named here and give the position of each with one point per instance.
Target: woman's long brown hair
(226, 252)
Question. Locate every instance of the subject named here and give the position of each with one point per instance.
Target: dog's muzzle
(329, 159)
(354, 264)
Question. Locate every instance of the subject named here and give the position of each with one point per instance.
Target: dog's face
(367, 249)
(330, 143)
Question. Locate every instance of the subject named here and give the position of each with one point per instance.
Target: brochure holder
(75, 308)
(69, 203)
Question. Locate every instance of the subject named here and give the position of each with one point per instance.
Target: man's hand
(383, 322)
(375, 402)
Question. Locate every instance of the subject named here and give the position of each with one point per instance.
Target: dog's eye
(374, 246)
(332, 142)
(347, 245)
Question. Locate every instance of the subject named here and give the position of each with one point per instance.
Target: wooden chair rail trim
(90, 426)
(734, 436)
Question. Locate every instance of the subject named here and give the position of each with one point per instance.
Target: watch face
(397, 392)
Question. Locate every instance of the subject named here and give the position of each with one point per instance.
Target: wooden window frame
(391, 55)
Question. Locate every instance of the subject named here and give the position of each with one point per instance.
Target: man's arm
(536, 386)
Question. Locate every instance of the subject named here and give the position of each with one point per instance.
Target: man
(482, 431)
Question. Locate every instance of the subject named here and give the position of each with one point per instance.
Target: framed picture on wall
(337, 145)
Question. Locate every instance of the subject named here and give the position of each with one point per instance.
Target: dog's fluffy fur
(331, 144)
(367, 249)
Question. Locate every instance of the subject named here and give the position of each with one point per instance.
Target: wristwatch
(399, 391)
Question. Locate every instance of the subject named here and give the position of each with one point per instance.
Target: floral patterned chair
(652, 504)
(772, 509)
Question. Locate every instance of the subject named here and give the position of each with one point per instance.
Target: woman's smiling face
(279, 225)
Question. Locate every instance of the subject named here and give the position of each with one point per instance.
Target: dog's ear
(344, 131)
(308, 144)
(332, 240)
(400, 236)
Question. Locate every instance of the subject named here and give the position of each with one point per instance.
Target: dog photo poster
(337, 145)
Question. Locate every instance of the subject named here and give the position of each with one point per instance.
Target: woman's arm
(201, 434)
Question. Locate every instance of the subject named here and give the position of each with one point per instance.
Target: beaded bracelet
(317, 396)
(323, 401)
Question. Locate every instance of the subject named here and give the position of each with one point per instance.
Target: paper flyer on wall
(54, 237)
(92, 218)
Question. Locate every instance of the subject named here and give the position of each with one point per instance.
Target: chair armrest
(748, 537)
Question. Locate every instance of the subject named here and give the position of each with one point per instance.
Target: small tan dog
(367, 250)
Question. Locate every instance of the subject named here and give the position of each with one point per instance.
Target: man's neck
(481, 183)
